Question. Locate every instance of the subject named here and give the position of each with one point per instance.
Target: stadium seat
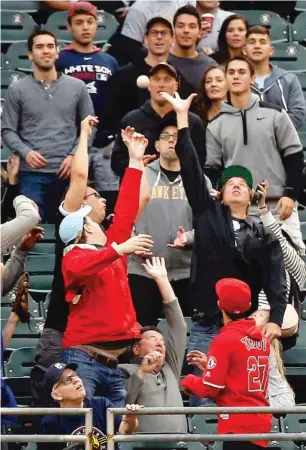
(162, 324)
(180, 445)
(43, 248)
(16, 57)
(302, 215)
(7, 308)
(290, 56)
(295, 358)
(57, 22)
(299, 28)
(40, 264)
(303, 229)
(27, 6)
(8, 77)
(5, 153)
(294, 423)
(40, 285)
(16, 26)
(45, 305)
(300, 5)
(278, 26)
(20, 362)
(205, 424)
(303, 310)
(49, 234)
(25, 336)
(302, 79)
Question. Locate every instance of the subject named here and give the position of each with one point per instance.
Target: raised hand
(151, 362)
(262, 189)
(140, 243)
(179, 105)
(31, 238)
(13, 169)
(156, 268)
(197, 359)
(88, 123)
(127, 135)
(181, 239)
(137, 146)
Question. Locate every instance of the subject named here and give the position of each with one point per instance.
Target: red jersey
(237, 374)
(105, 311)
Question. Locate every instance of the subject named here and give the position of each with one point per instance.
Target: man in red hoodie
(237, 367)
(102, 320)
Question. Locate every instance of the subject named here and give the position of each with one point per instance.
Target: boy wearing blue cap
(66, 387)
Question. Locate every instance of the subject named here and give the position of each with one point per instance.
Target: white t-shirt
(260, 81)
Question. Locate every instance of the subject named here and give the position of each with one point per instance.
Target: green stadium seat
(42, 248)
(289, 56)
(299, 28)
(27, 6)
(24, 335)
(57, 22)
(21, 386)
(49, 234)
(162, 324)
(5, 153)
(179, 445)
(45, 305)
(295, 358)
(303, 310)
(278, 25)
(40, 264)
(16, 57)
(8, 77)
(33, 308)
(16, 26)
(41, 283)
(302, 215)
(303, 229)
(302, 79)
(20, 363)
(300, 5)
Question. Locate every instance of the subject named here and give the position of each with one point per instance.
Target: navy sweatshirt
(95, 69)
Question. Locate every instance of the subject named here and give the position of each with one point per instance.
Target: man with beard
(40, 123)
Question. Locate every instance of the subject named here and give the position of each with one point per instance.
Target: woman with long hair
(212, 92)
(231, 38)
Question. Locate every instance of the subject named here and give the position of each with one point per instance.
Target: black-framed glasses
(163, 33)
(167, 136)
(96, 194)
(67, 380)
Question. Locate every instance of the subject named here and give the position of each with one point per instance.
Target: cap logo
(59, 365)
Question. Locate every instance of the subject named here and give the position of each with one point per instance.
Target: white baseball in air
(143, 81)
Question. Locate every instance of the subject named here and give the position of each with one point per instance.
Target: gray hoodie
(259, 137)
(167, 210)
(283, 88)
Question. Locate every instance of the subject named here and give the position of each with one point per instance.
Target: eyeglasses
(167, 136)
(66, 381)
(96, 194)
(163, 33)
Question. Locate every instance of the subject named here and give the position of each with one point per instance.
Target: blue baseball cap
(54, 373)
(72, 224)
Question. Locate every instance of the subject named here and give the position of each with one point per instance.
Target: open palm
(179, 105)
(156, 268)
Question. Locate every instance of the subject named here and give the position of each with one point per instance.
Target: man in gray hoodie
(261, 137)
(272, 83)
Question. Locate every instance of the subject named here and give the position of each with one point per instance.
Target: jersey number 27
(258, 372)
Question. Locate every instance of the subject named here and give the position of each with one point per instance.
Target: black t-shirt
(170, 174)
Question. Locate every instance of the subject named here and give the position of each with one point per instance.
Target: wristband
(263, 207)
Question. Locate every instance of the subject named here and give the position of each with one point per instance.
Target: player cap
(234, 295)
(164, 66)
(82, 7)
(54, 373)
(239, 172)
(72, 224)
(158, 19)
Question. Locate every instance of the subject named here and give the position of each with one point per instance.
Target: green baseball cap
(239, 172)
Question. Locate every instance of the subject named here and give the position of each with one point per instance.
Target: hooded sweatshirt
(283, 89)
(237, 374)
(146, 121)
(167, 210)
(95, 69)
(264, 141)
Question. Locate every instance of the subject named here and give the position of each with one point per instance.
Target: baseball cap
(82, 7)
(234, 295)
(239, 172)
(72, 224)
(164, 66)
(54, 373)
(158, 19)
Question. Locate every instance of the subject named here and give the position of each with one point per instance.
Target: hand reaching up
(179, 105)
(156, 268)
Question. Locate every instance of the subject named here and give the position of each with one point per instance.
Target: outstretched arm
(193, 177)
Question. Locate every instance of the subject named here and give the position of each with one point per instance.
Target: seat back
(279, 27)
(25, 335)
(16, 26)
(21, 361)
(16, 57)
(290, 56)
(8, 77)
(299, 28)
(27, 6)
(162, 325)
(40, 264)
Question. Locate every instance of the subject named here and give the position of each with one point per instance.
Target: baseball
(143, 81)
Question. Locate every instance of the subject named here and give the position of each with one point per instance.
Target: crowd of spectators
(187, 134)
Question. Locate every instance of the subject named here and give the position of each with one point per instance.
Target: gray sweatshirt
(27, 217)
(167, 210)
(44, 119)
(283, 88)
(259, 137)
(148, 392)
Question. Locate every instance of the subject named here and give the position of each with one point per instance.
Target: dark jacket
(147, 122)
(257, 258)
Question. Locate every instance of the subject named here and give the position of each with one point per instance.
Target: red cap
(82, 7)
(234, 295)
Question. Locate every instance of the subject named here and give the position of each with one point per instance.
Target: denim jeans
(46, 190)
(200, 339)
(97, 378)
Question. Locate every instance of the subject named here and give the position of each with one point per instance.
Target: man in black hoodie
(149, 118)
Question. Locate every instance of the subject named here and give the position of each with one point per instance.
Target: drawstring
(157, 179)
(282, 95)
(244, 127)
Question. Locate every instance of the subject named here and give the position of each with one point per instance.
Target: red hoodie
(236, 374)
(105, 311)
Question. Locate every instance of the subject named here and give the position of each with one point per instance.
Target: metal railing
(87, 438)
(184, 437)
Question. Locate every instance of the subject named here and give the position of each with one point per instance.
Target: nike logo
(86, 59)
(260, 118)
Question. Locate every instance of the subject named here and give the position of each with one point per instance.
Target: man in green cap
(228, 244)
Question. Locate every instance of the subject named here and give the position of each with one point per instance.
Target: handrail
(169, 437)
(87, 438)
